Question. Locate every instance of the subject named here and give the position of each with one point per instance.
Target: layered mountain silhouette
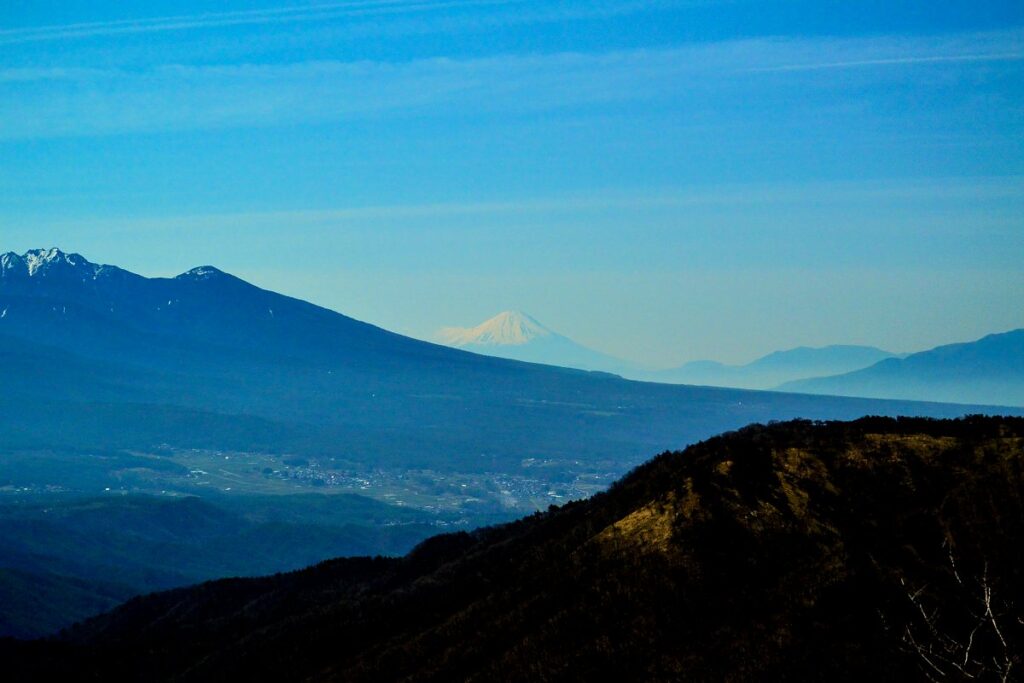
(207, 360)
(768, 372)
(518, 336)
(887, 550)
(989, 370)
(106, 372)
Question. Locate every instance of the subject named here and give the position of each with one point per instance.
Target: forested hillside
(878, 549)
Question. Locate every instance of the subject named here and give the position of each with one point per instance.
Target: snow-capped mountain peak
(201, 273)
(516, 335)
(11, 264)
(52, 263)
(509, 328)
(40, 260)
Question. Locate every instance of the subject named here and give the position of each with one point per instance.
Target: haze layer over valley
(218, 410)
(987, 371)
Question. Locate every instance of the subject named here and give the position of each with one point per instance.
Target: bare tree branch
(949, 649)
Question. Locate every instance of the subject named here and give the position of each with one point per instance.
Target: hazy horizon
(435, 336)
(662, 181)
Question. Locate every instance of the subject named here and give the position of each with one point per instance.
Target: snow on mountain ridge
(10, 262)
(42, 262)
(52, 261)
(40, 259)
(509, 328)
(201, 273)
(518, 336)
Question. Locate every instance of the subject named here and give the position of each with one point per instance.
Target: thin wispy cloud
(188, 97)
(897, 61)
(902, 51)
(889, 191)
(55, 101)
(280, 15)
(37, 74)
(354, 9)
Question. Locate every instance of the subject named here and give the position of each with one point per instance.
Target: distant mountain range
(218, 361)
(989, 370)
(768, 372)
(517, 335)
(879, 550)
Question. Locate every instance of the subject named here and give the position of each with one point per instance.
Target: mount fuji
(519, 336)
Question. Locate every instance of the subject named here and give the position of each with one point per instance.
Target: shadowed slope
(774, 553)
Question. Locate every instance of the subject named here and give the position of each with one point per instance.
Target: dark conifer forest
(885, 549)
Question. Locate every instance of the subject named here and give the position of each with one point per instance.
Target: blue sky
(662, 180)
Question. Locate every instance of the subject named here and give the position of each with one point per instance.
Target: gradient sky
(660, 180)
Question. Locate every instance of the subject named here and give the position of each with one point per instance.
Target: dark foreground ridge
(886, 549)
